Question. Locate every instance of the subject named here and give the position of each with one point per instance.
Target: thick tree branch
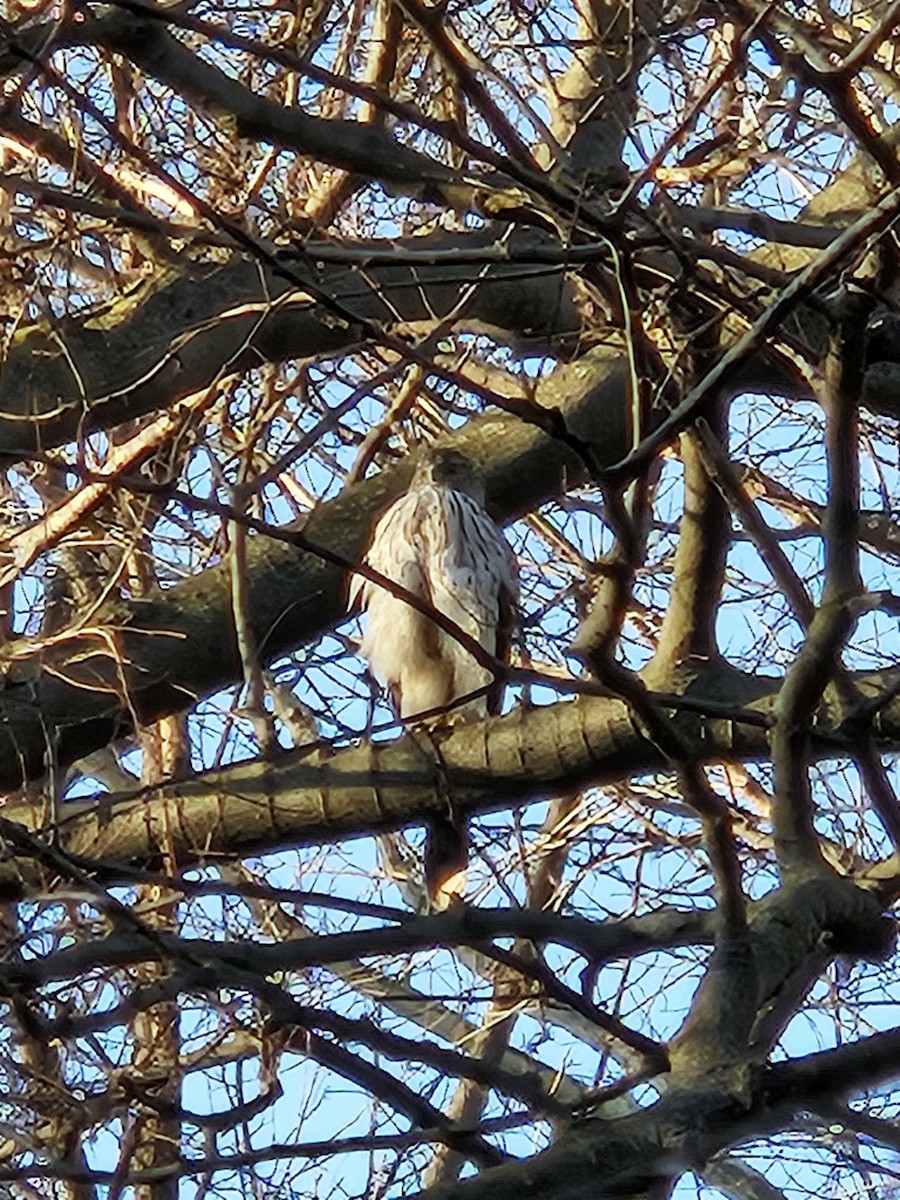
(151, 657)
(526, 755)
(180, 333)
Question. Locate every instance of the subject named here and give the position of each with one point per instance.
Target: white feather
(442, 546)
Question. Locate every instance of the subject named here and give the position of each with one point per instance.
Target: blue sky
(637, 847)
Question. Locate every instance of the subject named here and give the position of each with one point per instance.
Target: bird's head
(450, 469)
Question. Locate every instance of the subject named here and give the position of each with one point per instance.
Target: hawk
(438, 542)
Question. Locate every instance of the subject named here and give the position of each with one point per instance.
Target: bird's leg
(461, 714)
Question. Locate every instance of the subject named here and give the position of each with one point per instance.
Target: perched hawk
(438, 542)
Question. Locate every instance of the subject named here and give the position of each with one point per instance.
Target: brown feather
(446, 860)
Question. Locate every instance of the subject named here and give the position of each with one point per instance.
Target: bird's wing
(506, 630)
(397, 634)
(470, 565)
(392, 548)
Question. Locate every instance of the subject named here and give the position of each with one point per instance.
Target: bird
(439, 543)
